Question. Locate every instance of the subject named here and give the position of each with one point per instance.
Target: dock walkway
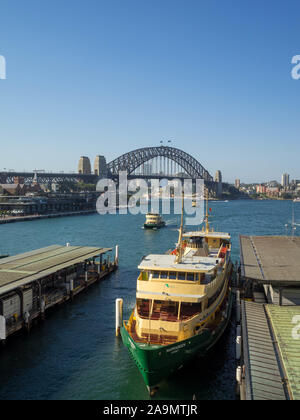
(15, 219)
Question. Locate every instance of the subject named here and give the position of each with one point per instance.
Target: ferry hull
(156, 363)
(154, 226)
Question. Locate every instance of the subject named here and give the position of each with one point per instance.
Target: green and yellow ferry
(154, 221)
(183, 304)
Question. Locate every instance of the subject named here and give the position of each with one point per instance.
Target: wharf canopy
(270, 352)
(25, 268)
(274, 262)
(35, 281)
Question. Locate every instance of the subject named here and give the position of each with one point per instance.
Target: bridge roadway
(52, 177)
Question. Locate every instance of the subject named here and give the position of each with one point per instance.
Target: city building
(273, 192)
(100, 166)
(261, 189)
(84, 166)
(285, 180)
(147, 169)
(12, 189)
(237, 183)
(272, 184)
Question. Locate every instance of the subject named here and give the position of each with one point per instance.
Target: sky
(107, 77)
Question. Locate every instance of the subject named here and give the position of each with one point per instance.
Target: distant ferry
(183, 304)
(154, 221)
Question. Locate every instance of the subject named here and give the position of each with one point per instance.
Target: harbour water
(75, 354)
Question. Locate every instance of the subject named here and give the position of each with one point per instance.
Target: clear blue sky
(106, 77)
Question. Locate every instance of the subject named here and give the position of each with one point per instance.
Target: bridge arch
(130, 161)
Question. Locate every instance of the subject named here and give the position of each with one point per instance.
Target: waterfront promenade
(14, 219)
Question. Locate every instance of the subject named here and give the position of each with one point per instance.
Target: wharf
(270, 352)
(272, 262)
(15, 219)
(262, 379)
(35, 281)
(269, 285)
(286, 326)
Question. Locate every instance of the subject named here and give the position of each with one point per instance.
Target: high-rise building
(84, 166)
(100, 166)
(237, 183)
(285, 180)
(147, 169)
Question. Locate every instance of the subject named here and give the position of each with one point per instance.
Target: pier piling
(119, 315)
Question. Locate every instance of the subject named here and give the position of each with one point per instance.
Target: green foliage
(69, 187)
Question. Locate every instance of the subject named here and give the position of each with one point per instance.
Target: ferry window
(207, 279)
(144, 275)
(172, 275)
(190, 276)
(188, 310)
(155, 274)
(164, 275)
(165, 310)
(143, 307)
(181, 276)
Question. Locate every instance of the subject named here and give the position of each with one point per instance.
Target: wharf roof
(263, 376)
(271, 259)
(189, 263)
(22, 269)
(284, 322)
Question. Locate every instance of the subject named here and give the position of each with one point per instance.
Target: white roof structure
(189, 262)
(201, 234)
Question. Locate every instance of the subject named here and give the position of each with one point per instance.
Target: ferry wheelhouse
(183, 304)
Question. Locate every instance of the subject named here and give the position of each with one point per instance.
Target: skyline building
(285, 180)
(147, 169)
(237, 183)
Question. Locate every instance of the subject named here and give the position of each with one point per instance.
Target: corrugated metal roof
(286, 325)
(271, 259)
(24, 268)
(262, 373)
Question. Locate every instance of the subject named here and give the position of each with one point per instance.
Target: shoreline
(16, 219)
(45, 216)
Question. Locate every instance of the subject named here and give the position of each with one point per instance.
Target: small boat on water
(183, 304)
(297, 200)
(154, 221)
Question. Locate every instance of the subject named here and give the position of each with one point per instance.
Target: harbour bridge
(162, 161)
(148, 162)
